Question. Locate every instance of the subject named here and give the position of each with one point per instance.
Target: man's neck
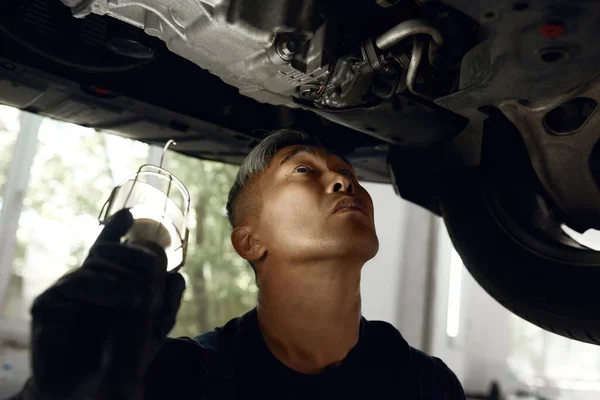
(310, 316)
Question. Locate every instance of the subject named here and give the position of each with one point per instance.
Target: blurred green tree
(73, 172)
(71, 177)
(220, 284)
(9, 129)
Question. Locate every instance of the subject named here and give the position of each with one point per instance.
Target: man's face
(314, 209)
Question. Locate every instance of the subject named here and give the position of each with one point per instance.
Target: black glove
(95, 332)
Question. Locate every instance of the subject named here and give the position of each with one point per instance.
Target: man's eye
(302, 169)
(347, 173)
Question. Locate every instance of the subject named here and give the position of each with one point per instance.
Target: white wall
(397, 283)
(381, 275)
(451, 350)
(478, 355)
(14, 369)
(407, 284)
(487, 333)
(394, 283)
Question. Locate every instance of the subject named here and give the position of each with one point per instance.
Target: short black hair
(241, 200)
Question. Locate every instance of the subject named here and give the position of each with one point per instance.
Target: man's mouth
(349, 204)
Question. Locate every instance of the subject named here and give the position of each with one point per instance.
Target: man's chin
(362, 246)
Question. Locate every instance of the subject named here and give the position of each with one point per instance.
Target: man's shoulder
(436, 379)
(201, 345)
(219, 338)
(182, 350)
(177, 370)
(199, 353)
(184, 366)
(382, 333)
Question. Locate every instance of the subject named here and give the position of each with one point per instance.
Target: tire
(551, 284)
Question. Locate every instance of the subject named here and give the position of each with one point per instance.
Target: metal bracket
(562, 162)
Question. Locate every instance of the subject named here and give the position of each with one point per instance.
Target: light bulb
(159, 204)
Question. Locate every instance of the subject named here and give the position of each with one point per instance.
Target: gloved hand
(96, 330)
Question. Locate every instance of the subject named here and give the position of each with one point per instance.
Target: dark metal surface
(406, 29)
(368, 92)
(346, 86)
(39, 25)
(528, 55)
(250, 44)
(563, 162)
(277, 51)
(509, 64)
(525, 67)
(210, 135)
(168, 97)
(405, 122)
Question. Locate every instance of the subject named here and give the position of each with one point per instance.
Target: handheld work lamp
(159, 204)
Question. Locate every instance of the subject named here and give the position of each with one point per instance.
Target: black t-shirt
(236, 364)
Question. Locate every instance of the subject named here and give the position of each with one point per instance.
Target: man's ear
(247, 244)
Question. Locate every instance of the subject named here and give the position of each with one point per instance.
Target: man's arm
(97, 329)
(453, 388)
(177, 372)
(435, 380)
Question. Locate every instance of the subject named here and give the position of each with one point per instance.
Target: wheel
(509, 236)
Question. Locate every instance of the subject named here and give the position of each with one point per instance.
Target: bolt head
(287, 49)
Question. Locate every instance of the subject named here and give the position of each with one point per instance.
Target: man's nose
(341, 183)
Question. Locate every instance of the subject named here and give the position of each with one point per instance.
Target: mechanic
(306, 226)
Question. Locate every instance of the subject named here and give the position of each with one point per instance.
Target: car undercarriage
(482, 112)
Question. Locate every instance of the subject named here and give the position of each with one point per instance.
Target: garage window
(62, 187)
(9, 129)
